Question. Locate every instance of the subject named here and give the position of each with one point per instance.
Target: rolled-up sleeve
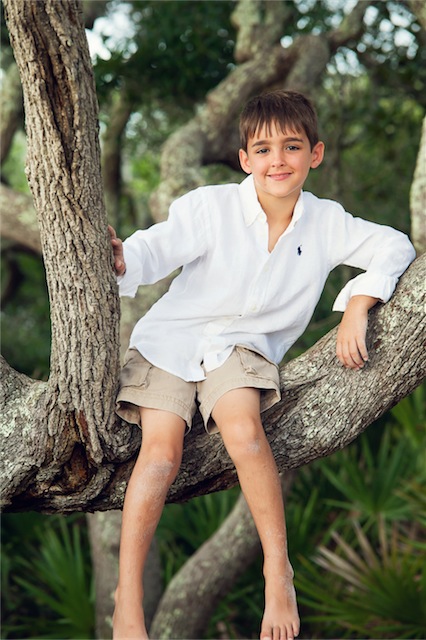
(156, 252)
(383, 252)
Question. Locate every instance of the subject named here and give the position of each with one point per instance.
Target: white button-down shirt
(233, 290)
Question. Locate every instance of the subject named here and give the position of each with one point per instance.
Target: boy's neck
(278, 210)
(279, 213)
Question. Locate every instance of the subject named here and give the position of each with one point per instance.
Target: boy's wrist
(362, 302)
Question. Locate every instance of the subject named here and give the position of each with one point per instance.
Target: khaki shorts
(144, 385)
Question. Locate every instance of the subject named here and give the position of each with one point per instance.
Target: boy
(255, 259)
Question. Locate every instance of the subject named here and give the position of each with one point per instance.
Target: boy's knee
(244, 439)
(162, 471)
(166, 456)
(163, 460)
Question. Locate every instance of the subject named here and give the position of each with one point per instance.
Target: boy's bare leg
(237, 415)
(155, 469)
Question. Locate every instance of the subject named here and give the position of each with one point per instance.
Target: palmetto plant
(410, 415)
(184, 527)
(370, 483)
(53, 574)
(368, 580)
(371, 591)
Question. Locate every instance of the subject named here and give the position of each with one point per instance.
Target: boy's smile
(279, 162)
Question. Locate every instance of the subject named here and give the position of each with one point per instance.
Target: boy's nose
(278, 160)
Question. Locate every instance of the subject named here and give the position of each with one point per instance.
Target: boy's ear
(317, 155)
(244, 161)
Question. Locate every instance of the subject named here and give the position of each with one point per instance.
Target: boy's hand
(351, 348)
(117, 249)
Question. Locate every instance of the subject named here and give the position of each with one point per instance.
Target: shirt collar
(252, 207)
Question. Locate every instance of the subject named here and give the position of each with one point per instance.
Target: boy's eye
(292, 147)
(262, 150)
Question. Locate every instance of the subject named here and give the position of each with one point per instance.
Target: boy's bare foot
(280, 619)
(128, 621)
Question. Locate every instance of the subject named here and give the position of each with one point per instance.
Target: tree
(63, 449)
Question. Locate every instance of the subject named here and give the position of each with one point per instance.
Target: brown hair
(288, 110)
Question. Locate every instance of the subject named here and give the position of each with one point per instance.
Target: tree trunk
(418, 197)
(74, 410)
(104, 535)
(418, 188)
(121, 108)
(10, 109)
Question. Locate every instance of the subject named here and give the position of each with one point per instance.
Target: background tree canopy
(170, 79)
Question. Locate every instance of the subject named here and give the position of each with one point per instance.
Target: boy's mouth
(279, 176)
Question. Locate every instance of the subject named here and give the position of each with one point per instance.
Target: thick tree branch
(259, 23)
(351, 27)
(324, 408)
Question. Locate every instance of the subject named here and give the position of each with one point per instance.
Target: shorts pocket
(248, 360)
(254, 364)
(136, 370)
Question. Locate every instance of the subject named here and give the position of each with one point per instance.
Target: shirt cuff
(129, 282)
(375, 285)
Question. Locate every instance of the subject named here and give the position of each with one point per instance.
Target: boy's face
(280, 163)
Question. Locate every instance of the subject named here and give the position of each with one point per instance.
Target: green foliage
(177, 49)
(410, 415)
(47, 589)
(13, 168)
(368, 580)
(368, 481)
(25, 335)
(372, 591)
(183, 528)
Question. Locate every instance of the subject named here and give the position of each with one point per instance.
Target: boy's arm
(149, 255)
(351, 347)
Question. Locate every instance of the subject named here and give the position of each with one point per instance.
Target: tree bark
(104, 535)
(418, 197)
